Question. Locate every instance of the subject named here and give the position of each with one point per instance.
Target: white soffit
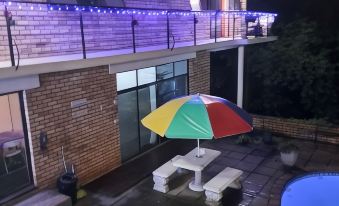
(19, 83)
(222, 49)
(116, 68)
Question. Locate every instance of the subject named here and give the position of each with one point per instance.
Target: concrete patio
(263, 179)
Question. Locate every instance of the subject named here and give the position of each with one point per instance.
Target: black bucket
(67, 185)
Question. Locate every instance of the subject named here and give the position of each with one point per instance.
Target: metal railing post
(195, 21)
(168, 33)
(267, 25)
(82, 37)
(133, 23)
(228, 24)
(233, 26)
(9, 35)
(210, 16)
(215, 26)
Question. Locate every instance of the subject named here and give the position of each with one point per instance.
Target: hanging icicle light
(149, 12)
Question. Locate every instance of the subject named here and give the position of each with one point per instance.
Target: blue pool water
(320, 189)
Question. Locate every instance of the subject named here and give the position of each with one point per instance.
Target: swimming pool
(315, 189)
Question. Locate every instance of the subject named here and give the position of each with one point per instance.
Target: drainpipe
(240, 92)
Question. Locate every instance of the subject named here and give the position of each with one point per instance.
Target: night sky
(325, 12)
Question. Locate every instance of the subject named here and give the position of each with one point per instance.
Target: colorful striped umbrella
(198, 117)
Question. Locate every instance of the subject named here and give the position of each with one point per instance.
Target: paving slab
(259, 201)
(253, 159)
(265, 170)
(257, 179)
(246, 166)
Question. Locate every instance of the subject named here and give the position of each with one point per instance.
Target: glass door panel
(128, 124)
(166, 91)
(180, 86)
(170, 89)
(14, 168)
(147, 103)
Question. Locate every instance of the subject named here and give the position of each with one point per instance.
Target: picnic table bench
(162, 175)
(214, 188)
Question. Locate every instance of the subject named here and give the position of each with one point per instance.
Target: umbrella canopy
(198, 117)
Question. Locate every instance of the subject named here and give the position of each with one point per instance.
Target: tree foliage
(297, 75)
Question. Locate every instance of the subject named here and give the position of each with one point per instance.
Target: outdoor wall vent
(43, 140)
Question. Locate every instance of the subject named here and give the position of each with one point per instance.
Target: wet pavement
(262, 181)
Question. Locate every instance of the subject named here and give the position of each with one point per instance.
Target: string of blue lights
(127, 11)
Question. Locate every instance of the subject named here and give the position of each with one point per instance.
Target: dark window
(165, 71)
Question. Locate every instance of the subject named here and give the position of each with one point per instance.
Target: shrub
(244, 139)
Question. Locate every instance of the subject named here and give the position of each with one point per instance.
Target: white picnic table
(191, 162)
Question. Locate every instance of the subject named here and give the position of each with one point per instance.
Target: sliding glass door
(147, 103)
(15, 172)
(140, 92)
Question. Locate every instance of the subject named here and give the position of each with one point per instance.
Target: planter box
(289, 159)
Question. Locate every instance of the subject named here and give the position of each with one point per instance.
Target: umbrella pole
(198, 148)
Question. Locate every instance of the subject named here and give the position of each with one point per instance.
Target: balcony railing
(37, 30)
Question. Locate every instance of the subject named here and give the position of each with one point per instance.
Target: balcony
(37, 33)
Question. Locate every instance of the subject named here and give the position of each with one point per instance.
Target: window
(15, 172)
(146, 75)
(126, 80)
(140, 92)
(165, 71)
(180, 68)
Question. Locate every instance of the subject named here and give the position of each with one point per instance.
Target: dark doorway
(224, 74)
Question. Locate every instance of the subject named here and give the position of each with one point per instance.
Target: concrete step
(46, 198)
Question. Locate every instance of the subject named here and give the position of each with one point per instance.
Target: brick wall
(232, 25)
(4, 50)
(199, 73)
(107, 31)
(88, 132)
(36, 1)
(42, 33)
(159, 4)
(297, 128)
(180, 4)
(150, 4)
(203, 27)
